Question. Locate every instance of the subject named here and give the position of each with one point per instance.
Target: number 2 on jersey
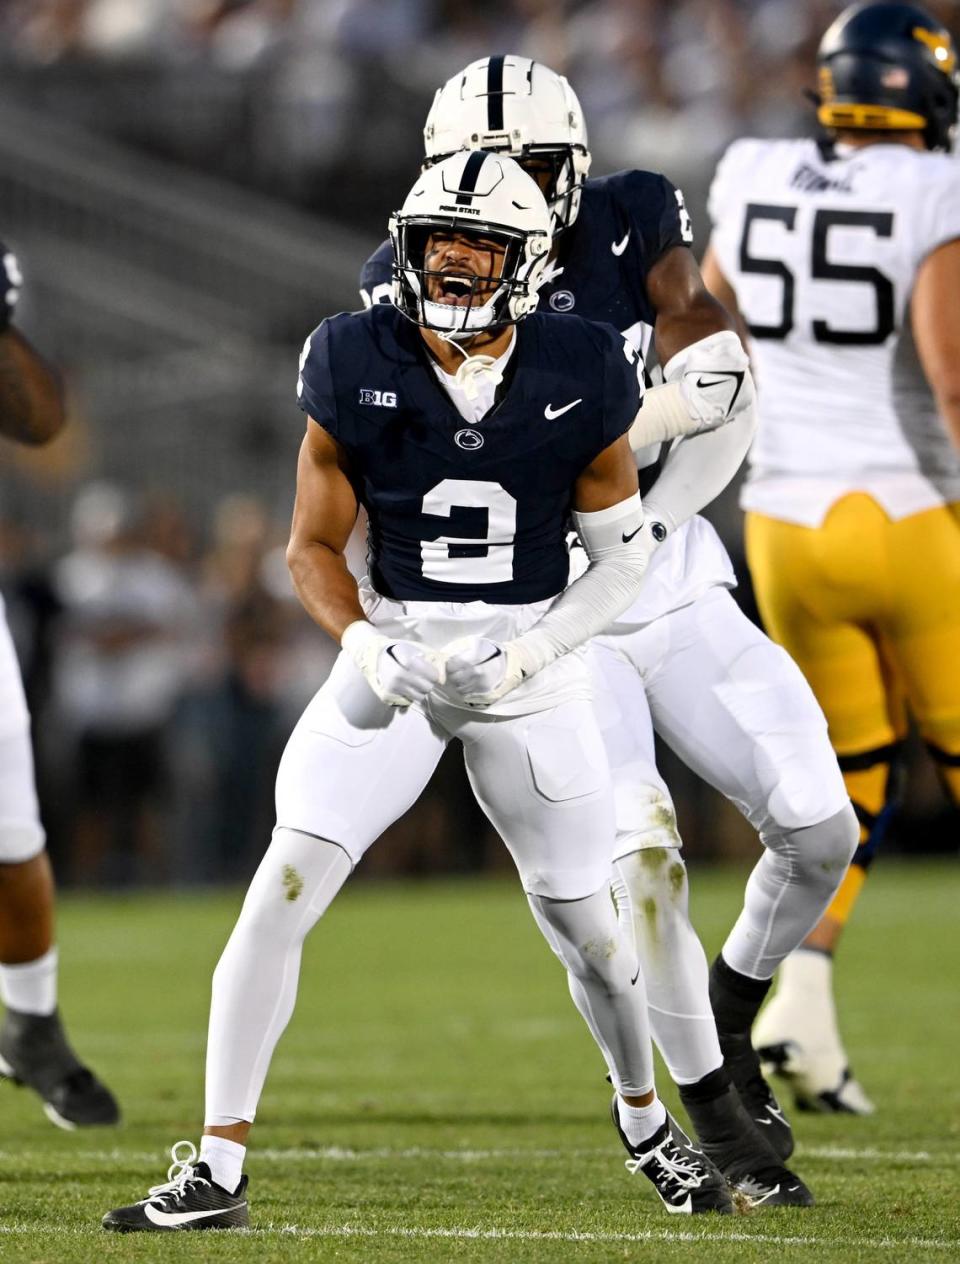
(486, 559)
(823, 269)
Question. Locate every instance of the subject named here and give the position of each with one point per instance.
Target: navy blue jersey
(626, 223)
(458, 511)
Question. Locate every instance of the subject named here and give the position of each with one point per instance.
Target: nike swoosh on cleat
(683, 1209)
(618, 247)
(170, 1219)
(551, 413)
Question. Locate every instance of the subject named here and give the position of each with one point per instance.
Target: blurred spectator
(324, 100)
(229, 738)
(122, 667)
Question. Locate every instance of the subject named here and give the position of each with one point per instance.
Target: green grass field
(436, 1097)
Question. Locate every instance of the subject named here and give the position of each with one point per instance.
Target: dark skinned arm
(31, 398)
(686, 310)
(323, 516)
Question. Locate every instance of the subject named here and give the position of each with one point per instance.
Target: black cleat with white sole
(748, 1162)
(686, 1180)
(34, 1051)
(188, 1200)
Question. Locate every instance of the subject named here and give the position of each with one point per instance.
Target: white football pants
(351, 767)
(21, 834)
(736, 709)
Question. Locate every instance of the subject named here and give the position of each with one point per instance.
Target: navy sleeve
(622, 389)
(376, 276)
(315, 393)
(656, 212)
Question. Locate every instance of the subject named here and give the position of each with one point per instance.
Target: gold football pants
(870, 610)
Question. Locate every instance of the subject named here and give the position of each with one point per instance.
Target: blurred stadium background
(191, 186)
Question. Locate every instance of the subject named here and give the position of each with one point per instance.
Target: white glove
(398, 672)
(481, 671)
(714, 377)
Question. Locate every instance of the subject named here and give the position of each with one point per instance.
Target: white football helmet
(480, 195)
(512, 105)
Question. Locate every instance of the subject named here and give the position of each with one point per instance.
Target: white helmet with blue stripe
(512, 105)
(482, 198)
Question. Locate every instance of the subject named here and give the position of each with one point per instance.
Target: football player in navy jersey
(683, 658)
(473, 433)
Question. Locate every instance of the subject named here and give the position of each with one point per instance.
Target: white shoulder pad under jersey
(822, 248)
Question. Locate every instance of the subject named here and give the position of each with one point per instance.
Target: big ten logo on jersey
(379, 399)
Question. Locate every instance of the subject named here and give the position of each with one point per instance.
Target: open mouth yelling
(454, 290)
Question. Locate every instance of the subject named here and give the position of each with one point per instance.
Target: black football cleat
(742, 1153)
(34, 1051)
(686, 1180)
(188, 1200)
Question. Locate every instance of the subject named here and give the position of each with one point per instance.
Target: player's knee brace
(874, 780)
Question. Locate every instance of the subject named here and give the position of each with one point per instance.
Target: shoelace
(179, 1174)
(682, 1171)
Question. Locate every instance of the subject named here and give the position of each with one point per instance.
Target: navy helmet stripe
(471, 173)
(495, 94)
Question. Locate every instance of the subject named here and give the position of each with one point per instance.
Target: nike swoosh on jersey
(627, 538)
(618, 247)
(170, 1219)
(551, 413)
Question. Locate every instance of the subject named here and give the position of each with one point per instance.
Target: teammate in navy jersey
(473, 433)
(731, 704)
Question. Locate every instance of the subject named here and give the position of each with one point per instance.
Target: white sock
(803, 1008)
(31, 988)
(639, 1123)
(224, 1158)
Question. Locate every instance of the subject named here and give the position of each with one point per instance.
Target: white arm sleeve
(611, 539)
(696, 471)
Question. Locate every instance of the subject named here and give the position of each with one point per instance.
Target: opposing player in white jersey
(33, 1046)
(844, 258)
(730, 703)
(470, 428)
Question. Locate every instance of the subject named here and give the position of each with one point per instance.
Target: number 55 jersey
(822, 245)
